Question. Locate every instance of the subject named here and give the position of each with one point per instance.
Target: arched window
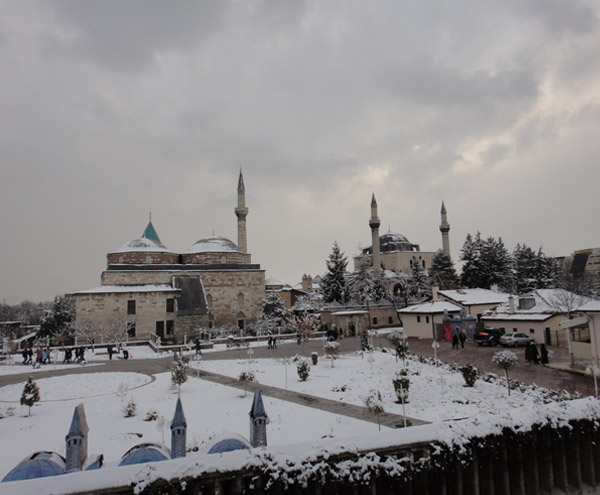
(120, 259)
(223, 259)
(148, 259)
(240, 301)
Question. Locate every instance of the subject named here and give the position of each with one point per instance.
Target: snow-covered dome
(38, 465)
(392, 242)
(146, 452)
(214, 244)
(148, 242)
(227, 442)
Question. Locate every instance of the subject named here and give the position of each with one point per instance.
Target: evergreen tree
(533, 270)
(333, 283)
(361, 282)
(419, 284)
(470, 255)
(442, 271)
(30, 395)
(546, 272)
(273, 314)
(178, 374)
(56, 321)
(495, 266)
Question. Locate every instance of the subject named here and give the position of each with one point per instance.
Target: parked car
(516, 339)
(489, 336)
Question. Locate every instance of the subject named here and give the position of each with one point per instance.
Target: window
(170, 305)
(423, 263)
(120, 259)
(148, 259)
(427, 319)
(131, 307)
(240, 301)
(240, 324)
(374, 321)
(223, 259)
(170, 327)
(418, 319)
(131, 329)
(160, 328)
(390, 320)
(514, 330)
(531, 330)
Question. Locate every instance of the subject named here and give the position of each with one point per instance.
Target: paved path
(332, 406)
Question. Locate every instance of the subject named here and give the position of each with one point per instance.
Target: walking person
(462, 336)
(455, 340)
(109, 349)
(543, 354)
(534, 354)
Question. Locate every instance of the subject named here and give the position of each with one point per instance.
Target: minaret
(374, 223)
(76, 439)
(445, 229)
(241, 213)
(258, 421)
(178, 432)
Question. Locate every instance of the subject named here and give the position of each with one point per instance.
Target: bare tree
(86, 330)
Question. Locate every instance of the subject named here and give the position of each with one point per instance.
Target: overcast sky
(109, 110)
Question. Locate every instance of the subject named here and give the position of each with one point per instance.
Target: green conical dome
(150, 233)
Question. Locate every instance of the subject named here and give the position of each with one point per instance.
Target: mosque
(395, 252)
(161, 293)
(44, 464)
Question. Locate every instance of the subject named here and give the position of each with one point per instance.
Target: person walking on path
(454, 340)
(274, 343)
(534, 354)
(528, 353)
(109, 349)
(462, 338)
(543, 354)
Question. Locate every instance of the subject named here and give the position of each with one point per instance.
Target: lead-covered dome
(38, 465)
(214, 244)
(393, 242)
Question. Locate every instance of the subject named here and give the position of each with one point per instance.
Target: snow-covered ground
(210, 410)
(436, 394)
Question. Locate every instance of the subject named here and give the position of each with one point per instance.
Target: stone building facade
(166, 294)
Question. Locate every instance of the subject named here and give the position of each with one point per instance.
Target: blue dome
(39, 465)
(228, 445)
(147, 452)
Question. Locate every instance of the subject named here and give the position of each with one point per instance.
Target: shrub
(470, 373)
(30, 395)
(303, 370)
(331, 349)
(130, 410)
(151, 415)
(505, 360)
(401, 382)
(245, 377)
(178, 374)
(374, 404)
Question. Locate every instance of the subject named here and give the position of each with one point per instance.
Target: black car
(489, 336)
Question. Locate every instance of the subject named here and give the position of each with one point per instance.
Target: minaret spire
(374, 223)
(445, 230)
(241, 212)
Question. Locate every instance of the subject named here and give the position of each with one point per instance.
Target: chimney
(434, 292)
(494, 288)
(511, 305)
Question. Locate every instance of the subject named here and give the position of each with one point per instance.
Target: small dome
(146, 452)
(39, 465)
(214, 244)
(227, 443)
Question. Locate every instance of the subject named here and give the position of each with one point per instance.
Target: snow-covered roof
(593, 306)
(432, 307)
(350, 312)
(273, 281)
(468, 297)
(538, 305)
(106, 289)
(214, 244)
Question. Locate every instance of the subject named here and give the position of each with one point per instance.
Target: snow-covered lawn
(436, 394)
(210, 410)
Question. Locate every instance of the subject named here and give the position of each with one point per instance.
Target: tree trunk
(507, 381)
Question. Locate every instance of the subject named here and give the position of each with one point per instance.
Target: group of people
(272, 343)
(532, 354)
(79, 355)
(458, 337)
(42, 356)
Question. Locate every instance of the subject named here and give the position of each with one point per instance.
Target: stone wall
(223, 287)
(216, 258)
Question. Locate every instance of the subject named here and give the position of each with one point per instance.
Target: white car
(516, 339)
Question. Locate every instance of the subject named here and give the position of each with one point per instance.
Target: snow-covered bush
(402, 383)
(303, 370)
(178, 374)
(130, 410)
(470, 373)
(30, 395)
(246, 377)
(375, 404)
(505, 360)
(7, 413)
(151, 415)
(331, 349)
